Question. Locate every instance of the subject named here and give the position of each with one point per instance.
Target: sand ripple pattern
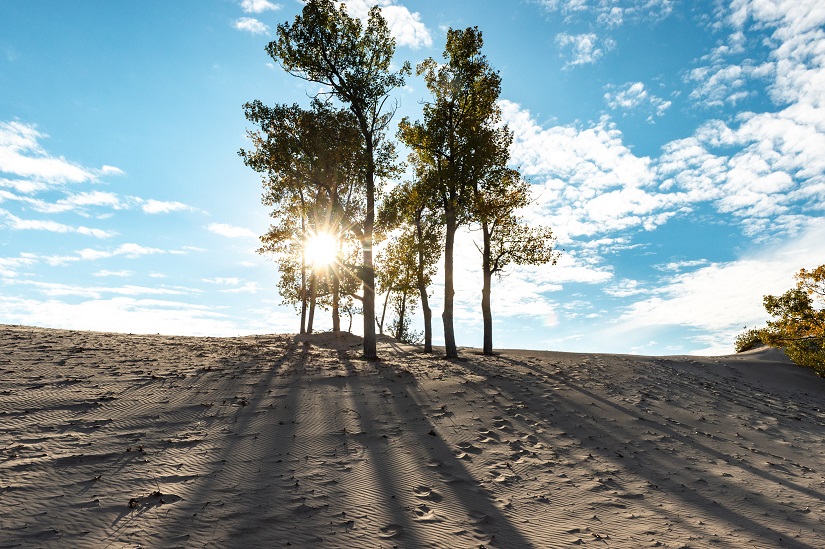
(113, 440)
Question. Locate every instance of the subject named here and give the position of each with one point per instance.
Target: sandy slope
(121, 441)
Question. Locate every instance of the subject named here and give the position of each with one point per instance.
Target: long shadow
(688, 441)
(648, 467)
(204, 500)
(476, 501)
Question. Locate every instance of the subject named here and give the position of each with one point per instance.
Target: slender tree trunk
(313, 290)
(422, 289)
(368, 275)
(449, 291)
(336, 298)
(486, 309)
(303, 274)
(399, 333)
(383, 314)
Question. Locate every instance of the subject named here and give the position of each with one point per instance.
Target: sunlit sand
(111, 440)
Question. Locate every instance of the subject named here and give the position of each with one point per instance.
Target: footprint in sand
(390, 531)
(469, 447)
(502, 424)
(427, 493)
(425, 514)
(478, 518)
(487, 437)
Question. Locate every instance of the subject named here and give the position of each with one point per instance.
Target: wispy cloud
(22, 155)
(633, 96)
(251, 25)
(15, 223)
(106, 273)
(230, 231)
(258, 6)
(721, 298)
(609, 14)
(582, 49)
(160, 207)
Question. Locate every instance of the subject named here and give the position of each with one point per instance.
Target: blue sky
(676, 148)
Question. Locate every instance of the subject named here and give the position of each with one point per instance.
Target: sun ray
(321, 249)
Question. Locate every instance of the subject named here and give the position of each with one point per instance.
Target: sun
(320, 249)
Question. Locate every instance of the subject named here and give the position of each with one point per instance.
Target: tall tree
(397, 279)
(406, 207)
(506, 239)
(457, 143)
(312, 163)
(326, 46)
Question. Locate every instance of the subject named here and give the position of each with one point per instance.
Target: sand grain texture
(113, 440)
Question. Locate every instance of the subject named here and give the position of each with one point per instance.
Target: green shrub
(747, 340)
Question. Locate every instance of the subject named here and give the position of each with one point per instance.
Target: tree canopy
(798, 323)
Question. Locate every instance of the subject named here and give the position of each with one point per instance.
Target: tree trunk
(449, 291)
(399, 333)
(336, 298)
(383, 314)
(303, 276)
(422, 289)
(486, 309)
(313, 290)
(368, 275)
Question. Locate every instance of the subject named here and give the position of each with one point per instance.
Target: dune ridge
(115, 440)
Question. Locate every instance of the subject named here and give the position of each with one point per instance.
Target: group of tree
(798, 322)
(325, 169)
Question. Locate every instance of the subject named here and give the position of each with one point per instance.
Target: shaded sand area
(111, 440)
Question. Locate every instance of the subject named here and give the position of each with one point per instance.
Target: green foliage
(799, 320)
(326, 46)
(747, 340)
(459, 143)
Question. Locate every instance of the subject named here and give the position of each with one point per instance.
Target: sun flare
(320, 249)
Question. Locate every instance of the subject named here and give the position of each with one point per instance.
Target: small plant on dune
(798, 322)
(747, 340)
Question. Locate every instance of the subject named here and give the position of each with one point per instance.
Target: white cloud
(21, 155)
(15, 223)
(251, 25)
(684, 264)
(633, 96)
(625, 288)
(122, 314)
(609, 14)
(230, 231)
(56, 289)
(157, 207)
(582, 49)
(405, 26)
(10, 265)
(258, 6)
(105, 273)
(110, 170)
(586, 180)
(722, 298)
(229, 281)
(247, 288)
(129, 250)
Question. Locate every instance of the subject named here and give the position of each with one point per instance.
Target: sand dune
(112, 440)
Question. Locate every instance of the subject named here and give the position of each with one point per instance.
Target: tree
(457, 143)
(311, 161)
(799, 320)
(406, 208)
(326, 46)
(506, 239)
